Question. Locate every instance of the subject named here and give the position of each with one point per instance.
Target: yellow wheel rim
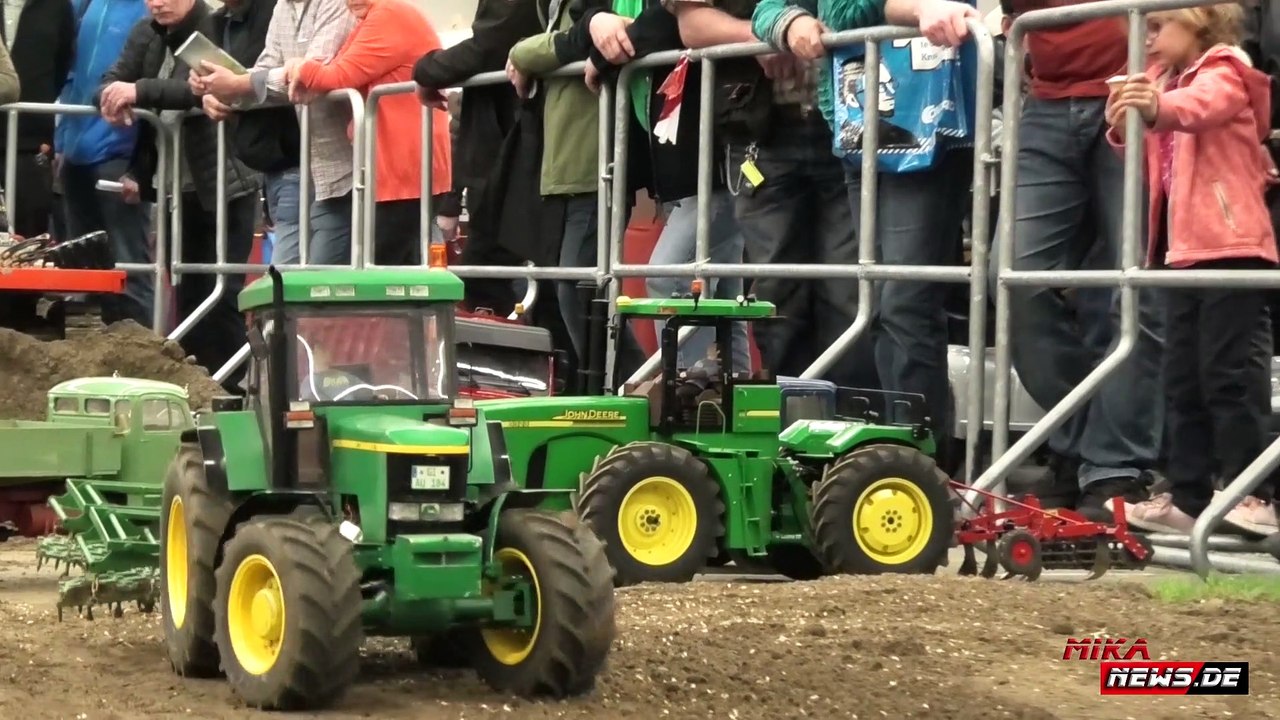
(657, 521)
(511, 646)
(892, 521)
(175, 562)
(256, 615)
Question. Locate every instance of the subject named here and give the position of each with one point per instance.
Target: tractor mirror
(257, 345)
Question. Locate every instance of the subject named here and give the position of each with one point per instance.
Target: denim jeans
(1069, 216)
(919, 222)
(800, 214)
(578, 249)
(128, 227)
(281, 191)
(330, 231)
(676, 246)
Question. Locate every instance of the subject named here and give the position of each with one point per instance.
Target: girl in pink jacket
(1207, 114)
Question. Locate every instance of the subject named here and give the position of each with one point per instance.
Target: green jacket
(570, 116)
(771, 19)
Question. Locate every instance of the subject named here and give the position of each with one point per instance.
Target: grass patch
(1184, 589)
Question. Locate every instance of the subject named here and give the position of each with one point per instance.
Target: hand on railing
(804, 38)
(117, 103)
(609, 35)
(215, 109)
(519, 80)
(945, 22)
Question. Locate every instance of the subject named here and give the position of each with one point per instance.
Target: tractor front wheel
(882, 509)
(288, 613)
(572, 608)
(657, 509)
(192, 518)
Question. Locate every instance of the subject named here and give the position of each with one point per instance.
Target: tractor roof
(707, 307)
(117, 387)
(417, 284)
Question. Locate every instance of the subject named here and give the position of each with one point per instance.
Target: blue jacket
(88, 139)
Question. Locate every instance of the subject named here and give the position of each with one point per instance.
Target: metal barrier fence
(613, 208)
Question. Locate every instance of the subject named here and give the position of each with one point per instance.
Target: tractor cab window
(156, 415)
(361, 355)
(491, 371)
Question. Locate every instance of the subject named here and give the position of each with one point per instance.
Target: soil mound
(30, 367)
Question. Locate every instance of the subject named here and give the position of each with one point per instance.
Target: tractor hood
(828, 438)
(388, 433)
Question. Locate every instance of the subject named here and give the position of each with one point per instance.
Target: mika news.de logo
(1126, 668)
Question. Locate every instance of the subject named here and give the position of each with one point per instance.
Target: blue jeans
(281, 191)
(920, 217)
(676, 246)
(128, 227)
(1069, 216)
(330, 231)
(800, 214)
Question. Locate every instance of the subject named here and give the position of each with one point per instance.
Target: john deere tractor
(704, 462)
(340, 501)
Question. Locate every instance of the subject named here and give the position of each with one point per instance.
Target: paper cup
(1117, 81)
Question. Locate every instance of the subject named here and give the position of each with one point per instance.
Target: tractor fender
(512, 499)
(213, 454)
(276, 502)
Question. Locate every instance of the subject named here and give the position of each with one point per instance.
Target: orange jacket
(382, 49)
(1220, 115)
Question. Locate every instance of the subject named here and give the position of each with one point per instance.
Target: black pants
(1217, 385)
(397, 239)
(221, 332)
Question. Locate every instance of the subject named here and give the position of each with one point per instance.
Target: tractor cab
(354, 375)
(711, 394)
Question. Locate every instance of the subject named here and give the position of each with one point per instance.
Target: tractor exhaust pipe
(282, 450)
(592, 367)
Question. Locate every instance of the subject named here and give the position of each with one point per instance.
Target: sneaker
(1253, 517)
(1095, 500)
(1159, 514)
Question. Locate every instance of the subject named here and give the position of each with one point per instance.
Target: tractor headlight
(424, 512)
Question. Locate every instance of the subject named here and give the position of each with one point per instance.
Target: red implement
(59, 280)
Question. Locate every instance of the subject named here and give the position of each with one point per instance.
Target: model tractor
(342, 500)
(703, 461)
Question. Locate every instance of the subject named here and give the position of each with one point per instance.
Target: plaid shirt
(311, 29)
(802, 91)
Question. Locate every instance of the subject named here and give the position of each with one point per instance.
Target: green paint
(394, 285)
(706, 307)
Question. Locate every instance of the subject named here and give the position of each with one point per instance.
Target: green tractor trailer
(804, 477)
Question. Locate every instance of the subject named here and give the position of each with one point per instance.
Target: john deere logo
(592, 415)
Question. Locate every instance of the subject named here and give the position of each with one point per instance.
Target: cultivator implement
(110, 535)
(1026, 539)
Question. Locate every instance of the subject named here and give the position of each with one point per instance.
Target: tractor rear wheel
(573, 608)
(882, 509)
(192, 518)
(288, 610)
(657, 509)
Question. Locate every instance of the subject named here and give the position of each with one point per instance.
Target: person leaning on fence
(40, 36)
(923, 160)
(1069, 214)
(1207, 112)
(311, 29)
(488, 115)
(147, 76)
(88, 149)
(267, 139)
(665, 108)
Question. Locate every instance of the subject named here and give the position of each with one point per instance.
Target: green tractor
(335, 502)
(799, 475)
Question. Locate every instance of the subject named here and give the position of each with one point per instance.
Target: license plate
(429, 477)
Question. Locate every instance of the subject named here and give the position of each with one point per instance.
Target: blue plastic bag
(925, 103)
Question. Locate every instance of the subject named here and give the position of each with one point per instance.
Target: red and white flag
(672, 92)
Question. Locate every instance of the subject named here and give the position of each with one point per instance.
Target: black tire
(625, 468)
(1019, 553)
(848, 481)
(189, 629)
(575, 608)
(319, 589)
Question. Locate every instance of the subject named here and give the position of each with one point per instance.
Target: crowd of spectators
(522, 157)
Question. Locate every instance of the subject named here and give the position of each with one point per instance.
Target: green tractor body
(801, 476)
(338, 502)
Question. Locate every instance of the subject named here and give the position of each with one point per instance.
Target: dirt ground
(888, 647)
(29, 367)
